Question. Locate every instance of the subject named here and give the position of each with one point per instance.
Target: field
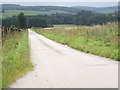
(9, 13)
(15, 64)
(65, 25)
(97, 40)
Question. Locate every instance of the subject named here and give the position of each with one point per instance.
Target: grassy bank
(16, 57)
(97, 40)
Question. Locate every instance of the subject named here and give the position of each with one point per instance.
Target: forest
(82, 18)
(78, 15)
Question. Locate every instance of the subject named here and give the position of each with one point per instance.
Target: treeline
(20, 21)
(81, 18)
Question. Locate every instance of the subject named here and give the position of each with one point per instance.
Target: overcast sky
(93, 3)
(59, 0)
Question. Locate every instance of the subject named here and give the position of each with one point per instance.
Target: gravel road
(58, 66)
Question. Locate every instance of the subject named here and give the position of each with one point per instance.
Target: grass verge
(97, 40)
(16, 57)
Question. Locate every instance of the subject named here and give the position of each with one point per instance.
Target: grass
(16, 57)
(97, 40)
(65, 25)
(9, 13)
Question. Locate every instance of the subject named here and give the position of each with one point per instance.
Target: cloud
(60, 1)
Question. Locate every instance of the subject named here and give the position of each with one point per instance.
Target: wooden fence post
(0, 36)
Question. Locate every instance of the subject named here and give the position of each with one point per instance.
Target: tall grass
(98, 40)
(16, 57)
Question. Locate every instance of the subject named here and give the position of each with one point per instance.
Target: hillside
(99, 10)
(39, 8)
(73, 9)
(9, 10)
(9, 13)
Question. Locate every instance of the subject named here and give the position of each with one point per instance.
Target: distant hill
(39, 8)
(74, 9)
(99, 10)
(9, 10)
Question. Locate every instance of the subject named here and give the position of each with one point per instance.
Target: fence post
(0, 35)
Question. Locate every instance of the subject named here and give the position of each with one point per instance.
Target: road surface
(58, 66)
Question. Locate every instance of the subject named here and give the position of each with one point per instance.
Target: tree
(81, 18)
(22, 21)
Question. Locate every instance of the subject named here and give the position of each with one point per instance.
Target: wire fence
(4, 31)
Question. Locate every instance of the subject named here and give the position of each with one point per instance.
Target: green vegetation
(39, 8)
(22, 21)
(98, 40)
(74, 9)
(105, 10)
(16, 57)
(9, 10)
(65, 25)
(15, 12)
(81, 18)
(9, 13)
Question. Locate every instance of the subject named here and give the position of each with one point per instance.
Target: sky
(92, 3)
(59, 0)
